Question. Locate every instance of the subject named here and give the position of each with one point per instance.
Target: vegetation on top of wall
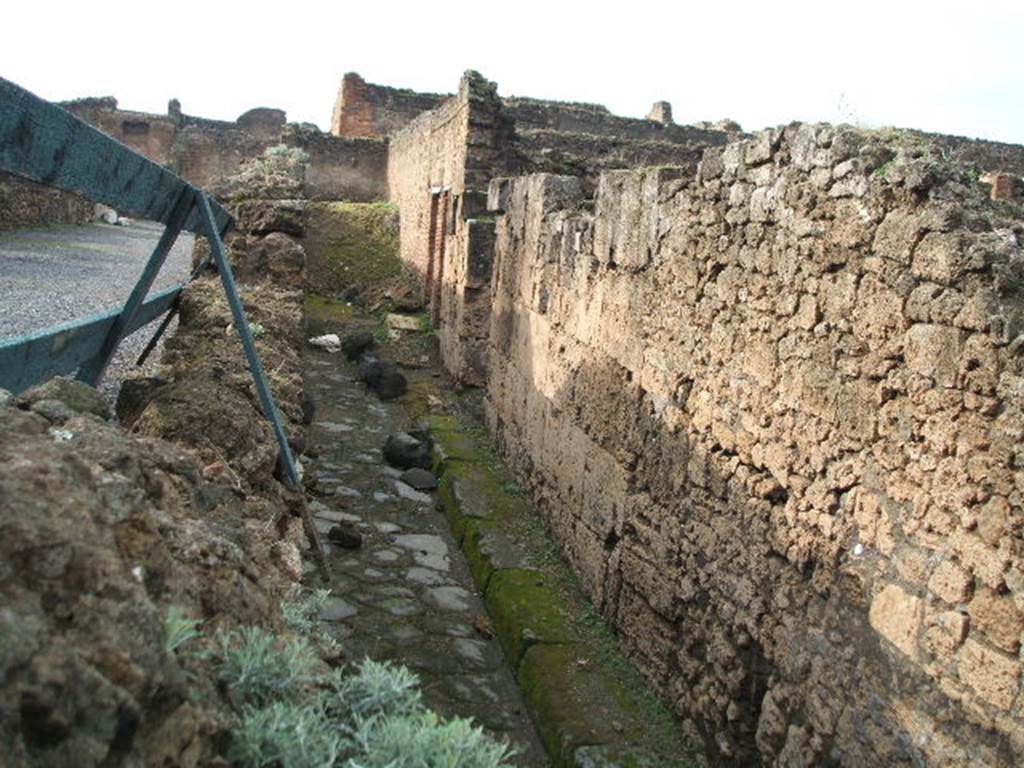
(279, 173)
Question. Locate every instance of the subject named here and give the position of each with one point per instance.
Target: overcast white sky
(952, 67)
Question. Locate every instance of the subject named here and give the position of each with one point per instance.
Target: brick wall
(375, 111)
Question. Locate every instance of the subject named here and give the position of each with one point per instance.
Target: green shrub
(423, 740)
(300, 615)
(377, 689)
(286, 735)
(257, 668)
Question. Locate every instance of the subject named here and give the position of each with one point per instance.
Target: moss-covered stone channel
(463, 585)
(406, 594)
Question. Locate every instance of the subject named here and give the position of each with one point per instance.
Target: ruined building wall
(206, 151)
(375, 111)
(772, 410)
(439, 167)
(341, 168)
(25, 204)
(592, 119)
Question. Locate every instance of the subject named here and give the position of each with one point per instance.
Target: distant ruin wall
(342, 168)
(773, 411)
(375, 111)
(982, 154)
(201, 151)
(25, 204)
(439, 167)
(535, 114)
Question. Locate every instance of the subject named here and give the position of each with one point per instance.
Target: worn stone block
(993, 676)
(897, 616)
(950, 582)
(934, 351)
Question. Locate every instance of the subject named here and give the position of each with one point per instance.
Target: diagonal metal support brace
(92, 371)
(227, 279)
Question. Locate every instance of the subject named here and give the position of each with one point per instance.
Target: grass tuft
(179, 629)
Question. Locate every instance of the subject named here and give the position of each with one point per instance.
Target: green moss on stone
(577, 704)
(326, 315)
(351, 245)
(525, 611)
(566, 656)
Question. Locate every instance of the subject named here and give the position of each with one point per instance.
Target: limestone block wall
(772, 410)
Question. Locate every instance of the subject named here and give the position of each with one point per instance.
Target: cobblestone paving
(406, 594)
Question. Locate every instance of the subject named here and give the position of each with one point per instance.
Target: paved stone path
(53, 275)
(406, 594)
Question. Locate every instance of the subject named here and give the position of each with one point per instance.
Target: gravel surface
(55, 275)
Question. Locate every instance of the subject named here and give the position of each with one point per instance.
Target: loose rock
(74, 394)
(355, 345)
(420, 479)
(308, 406)
(403, 323)
(383, 378)
(404, 451)
(329, 341)
(345, 537)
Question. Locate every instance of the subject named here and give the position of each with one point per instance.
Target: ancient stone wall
(375, 111)
(200, 150)
(341, 168)
(587, 155)
(773, 412)
(25, 204)
(594, 119)
(439, 167)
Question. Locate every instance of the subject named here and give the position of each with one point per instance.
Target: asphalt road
(57, 274)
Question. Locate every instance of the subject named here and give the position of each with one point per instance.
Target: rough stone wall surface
(984, 155)
(197, 149)
(773, 413)
(204, 154)
(587, 155)
(535, 114)
(439, 167)
(375, 111)
(341, 168)
(24, 204)
(457, 148)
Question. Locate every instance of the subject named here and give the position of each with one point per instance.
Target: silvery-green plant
(179, 628)
(376, 689)
(301, 614)
(286, 735)
(257, 668)
(423, 740)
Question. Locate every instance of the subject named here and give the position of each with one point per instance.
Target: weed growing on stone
(178, 629)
